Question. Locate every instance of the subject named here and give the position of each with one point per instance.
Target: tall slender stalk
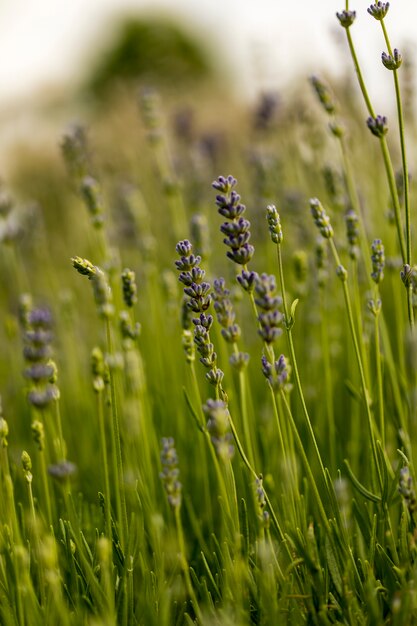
(366, 395)
(289, 322)
(120, 496)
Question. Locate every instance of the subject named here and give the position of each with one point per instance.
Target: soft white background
(43, 42)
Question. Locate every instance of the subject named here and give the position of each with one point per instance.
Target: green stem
(394, 194)
(120, 491)
(379, 380)
(37, 543)
(244, 409)
(62, 451)
(105, 461)
(357, 310)
(359, 73)
(255, 475)
(306, 464)
(360, 364)
(10, 513)
(328, 385)
(348, 176)
(185, 566)
(404, 166)
(384, 147)
(288, 322)
(201, 426)
(45, 486)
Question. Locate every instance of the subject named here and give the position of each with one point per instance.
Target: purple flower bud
(378, 10)
(377, 125)
(170, 472)
(392, 62)
(346, 18)
(224, 184)
(184, 247)
(321, 218)
(378, 261)
(247, 280)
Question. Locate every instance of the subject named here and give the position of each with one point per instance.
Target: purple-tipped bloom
(378, 10)
(352, 233)
(225, 313)
(230, 206)
(37, 338)
(39, 371)
(278, 374)
(378, 261)
(183, 248)
(239, 360)
(218, 426)
(187, 263)
(268, 301)
(191, 275)
(42, 399)
(392, 62)
(170, 472)
(321, 218)
(224, 184)
(195, 276)
(237, 229)
(62, 471)
(40, 318)
(247, 280)
(346, 18)
(378, 125)
(206, 321)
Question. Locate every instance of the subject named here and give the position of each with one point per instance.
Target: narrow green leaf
(358, 485)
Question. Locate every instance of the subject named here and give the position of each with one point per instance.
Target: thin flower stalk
(393, 61)
(7, 481)
(378, 263)
(157, 137)
(306, 463)
(366, 396)
(382, 139)
(104, 301)
(27, 472)
(330, 421)
(239, 360)
(288, 324)
(100, 374)
(117, 448)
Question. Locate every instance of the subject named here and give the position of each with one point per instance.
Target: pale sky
(42, 42)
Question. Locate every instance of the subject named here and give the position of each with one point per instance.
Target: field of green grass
(208, 373)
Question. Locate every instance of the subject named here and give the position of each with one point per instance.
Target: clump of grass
(228, 441)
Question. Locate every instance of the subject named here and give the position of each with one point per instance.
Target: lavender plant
(285, 492)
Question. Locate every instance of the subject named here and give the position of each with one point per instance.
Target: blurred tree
(155, 51)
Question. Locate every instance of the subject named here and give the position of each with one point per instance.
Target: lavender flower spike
(267, 301)
(274, 224)
(378, 10)
(170, 472)
(378, 125)
(321, 218)
(378, 261)
(237, 228)
(346, 18)
(392, 62)
(219, 428)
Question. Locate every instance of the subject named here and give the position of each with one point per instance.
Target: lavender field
(208, 373)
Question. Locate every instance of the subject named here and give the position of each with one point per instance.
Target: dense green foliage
(160, 471)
